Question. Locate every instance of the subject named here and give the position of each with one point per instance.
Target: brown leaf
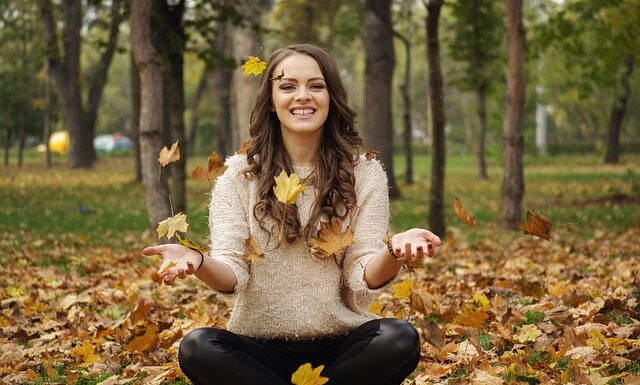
(536, 224)
(371, 154)
(431, 332)
(167, 156)
(331, 240)
(417, 303)
(252, 250)
(244, 147)
(148, 341)
(141, 311)
(215, 168)
(462, 213)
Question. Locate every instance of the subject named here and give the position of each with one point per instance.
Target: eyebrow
(296, 80)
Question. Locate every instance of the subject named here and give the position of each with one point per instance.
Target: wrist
(392, 251)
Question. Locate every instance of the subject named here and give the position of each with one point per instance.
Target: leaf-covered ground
(77, 304)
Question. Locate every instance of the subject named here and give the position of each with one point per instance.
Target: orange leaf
(244, 146)
(471, 316)
(169, 155)
(141, 311)
(147, 341)
(215, 168)
(371, 154)
(536, 224)
(331, 240)
(462, 213)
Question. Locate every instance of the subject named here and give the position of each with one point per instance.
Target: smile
(303, 111)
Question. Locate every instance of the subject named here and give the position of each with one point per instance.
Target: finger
(153, 250)
(190, 268)
(431, 237)
(169, 278)
(420, 251)
(407, 250)
(431, 251)
(182, 274)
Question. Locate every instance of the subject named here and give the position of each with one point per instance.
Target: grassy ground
(74, 278)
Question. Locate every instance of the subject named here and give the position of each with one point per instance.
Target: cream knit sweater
(290, 294)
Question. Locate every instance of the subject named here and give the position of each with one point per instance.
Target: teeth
(306, 111)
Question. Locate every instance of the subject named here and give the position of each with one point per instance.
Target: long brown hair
(333, 174)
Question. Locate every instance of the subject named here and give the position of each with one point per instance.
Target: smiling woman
(300, 302)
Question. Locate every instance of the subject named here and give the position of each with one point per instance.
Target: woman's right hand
(178, 261)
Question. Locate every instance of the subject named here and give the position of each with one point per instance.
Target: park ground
(77, 305)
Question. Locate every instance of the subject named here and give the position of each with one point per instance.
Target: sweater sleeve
(228, 221)
(370, 228)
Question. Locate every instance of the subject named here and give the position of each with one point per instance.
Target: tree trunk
(482, 117)
(513, 140)
(406, 111)
(21, 136)
(101, 73)
(47, 116)
(380, 61)
(7, 146)
(135, 119)
(436, 96)
(245, 42)
(151, 118)
(66, 73)
(222, 89)
(618, 110)
(195, 109)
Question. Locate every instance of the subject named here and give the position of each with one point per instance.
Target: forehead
(298, 66)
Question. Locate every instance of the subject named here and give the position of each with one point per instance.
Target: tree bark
(380, 61)
(7, 146)
(195, 109)
(406, 111)
(513, 140)
(482, 118)
(46, 124)
(436, 96)
(149, 67)
(101, 73)
(222, 89)
(135, 119)
(618, 110)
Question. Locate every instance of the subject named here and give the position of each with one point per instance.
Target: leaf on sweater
(169, 155)
(252, 250)
(402, 290)
(172, 224)
(287, 187)
(462, 213)
(331, 240)
(536, 224)
(254, 66)
(215, 168)
(307, 375)
(371, 154)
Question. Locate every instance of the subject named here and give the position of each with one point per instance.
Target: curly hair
(333, 174)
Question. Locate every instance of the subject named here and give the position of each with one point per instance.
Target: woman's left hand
(414, 244)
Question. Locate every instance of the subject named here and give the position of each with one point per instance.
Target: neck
(302, 149)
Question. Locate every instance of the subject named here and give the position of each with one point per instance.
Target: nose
(302, 94)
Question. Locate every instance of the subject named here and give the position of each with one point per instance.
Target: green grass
(105, 207)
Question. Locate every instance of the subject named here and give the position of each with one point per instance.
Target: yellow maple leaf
(287, 187)
(481, 300)
(307, 375)
(528, 333)
(191, 245)
(471, 316)
(254, 66)
(331, 240)
(376, 307)
(252, 249)
(172, 224)
(85, 354)
(169, 155)
(402, 290)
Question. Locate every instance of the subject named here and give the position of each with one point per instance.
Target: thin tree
(149, 67)
(618, 109)
(513, 139)
(436, 98)
(380, 61)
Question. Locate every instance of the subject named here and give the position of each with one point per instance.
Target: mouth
(302, 111)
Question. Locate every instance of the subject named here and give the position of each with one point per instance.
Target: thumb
(153, 250)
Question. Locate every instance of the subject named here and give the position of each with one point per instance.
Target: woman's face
(300, 97)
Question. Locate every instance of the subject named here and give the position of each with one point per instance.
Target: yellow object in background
(59, 142)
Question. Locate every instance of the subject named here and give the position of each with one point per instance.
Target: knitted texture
(291, 294)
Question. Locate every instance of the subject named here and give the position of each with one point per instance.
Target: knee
(196, 346)
(400, 337)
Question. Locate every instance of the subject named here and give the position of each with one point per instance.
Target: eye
(317, 86)
(286, 87)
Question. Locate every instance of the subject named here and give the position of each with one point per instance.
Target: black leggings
(379, 352)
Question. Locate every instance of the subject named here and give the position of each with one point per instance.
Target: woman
(293, 305)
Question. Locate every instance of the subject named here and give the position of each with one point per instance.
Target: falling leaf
(141, 311)
(528, 333)
(376, 308)
(371, 154)
(402, 290)
(307, 375)
(169, 155)
(287, 187)
(416, 303)
(331, 240)
(254, 66)
(252, 250)
(244, 147)
(172, 224)
(85, 354)
(462, 213)
(215, 168)
(148, 341)
(536, 224)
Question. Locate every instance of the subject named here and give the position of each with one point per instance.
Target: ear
(273, 108)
